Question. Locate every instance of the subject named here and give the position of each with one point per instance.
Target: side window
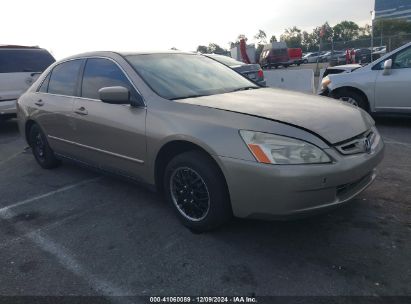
(63, 79)
(402, 60)
(100, 73)
(44, 86)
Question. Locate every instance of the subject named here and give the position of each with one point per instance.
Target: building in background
(393, 9)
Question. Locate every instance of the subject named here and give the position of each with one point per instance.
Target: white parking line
(5, 210)
(61, 254)
(394, 142)
(66, 260)
(10, 157)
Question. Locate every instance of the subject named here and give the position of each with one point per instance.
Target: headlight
(325, 83)
(275, 149)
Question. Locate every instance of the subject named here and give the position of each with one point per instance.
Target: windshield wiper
(245, 89)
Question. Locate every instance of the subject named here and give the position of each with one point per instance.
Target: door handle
(81, 111)
(39, 103)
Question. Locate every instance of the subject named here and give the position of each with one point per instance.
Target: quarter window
(100, 73)
(63, 80)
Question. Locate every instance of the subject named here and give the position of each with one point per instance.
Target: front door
(392, 92)
(110, 136)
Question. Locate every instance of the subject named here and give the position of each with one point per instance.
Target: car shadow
(9, 127)
(393, 121)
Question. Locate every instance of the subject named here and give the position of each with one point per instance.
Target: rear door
(53, 105)
(110, 136)
(19, 68)
(392, 92)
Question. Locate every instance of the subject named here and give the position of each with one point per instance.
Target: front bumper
(8, 108)
(279, 191)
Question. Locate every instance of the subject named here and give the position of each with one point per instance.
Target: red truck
(296, 56)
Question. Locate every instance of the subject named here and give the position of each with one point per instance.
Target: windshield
(177, 76)
(226, 60)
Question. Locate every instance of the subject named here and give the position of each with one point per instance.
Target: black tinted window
(64, 77)
(24, 60)
(100, 73)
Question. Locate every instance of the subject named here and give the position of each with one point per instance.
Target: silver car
(212, 141)
(19, 68)
(382, 86)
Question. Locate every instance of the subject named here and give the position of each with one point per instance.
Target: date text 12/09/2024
(237, 299)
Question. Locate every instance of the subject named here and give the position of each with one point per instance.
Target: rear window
(24, 60)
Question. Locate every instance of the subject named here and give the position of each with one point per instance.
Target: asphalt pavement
(72, 231)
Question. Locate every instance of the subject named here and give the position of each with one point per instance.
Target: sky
(68, 27)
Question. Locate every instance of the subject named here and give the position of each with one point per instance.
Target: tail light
(260, 74)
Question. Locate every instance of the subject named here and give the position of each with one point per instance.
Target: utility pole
(372, 36)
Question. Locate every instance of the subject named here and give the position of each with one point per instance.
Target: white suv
(382, 86)
(19, 68)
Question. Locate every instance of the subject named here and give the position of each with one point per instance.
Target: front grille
(360, 144)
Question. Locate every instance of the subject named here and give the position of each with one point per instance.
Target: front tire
(41, 150)
(196, 189)
(353, 98)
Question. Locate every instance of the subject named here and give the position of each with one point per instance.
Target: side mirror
(114, 95)
(387, 67)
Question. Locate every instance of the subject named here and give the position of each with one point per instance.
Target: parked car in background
(379, 52)
(363, 56)
(347, 68)
(311, 57)
(380, 87)
(252, 71)
(338, 58)
(325, 57)
(215, 143)
(19, 68)
(295, 55)
(275, 57)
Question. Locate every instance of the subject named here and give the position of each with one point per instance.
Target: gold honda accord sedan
(214, 142)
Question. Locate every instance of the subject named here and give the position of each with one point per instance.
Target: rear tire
(352, 98)
(196, 189)
(41, 150)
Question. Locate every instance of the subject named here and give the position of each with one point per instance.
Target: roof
(108, 53)
(11, 46)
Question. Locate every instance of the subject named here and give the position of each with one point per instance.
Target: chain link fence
(390, 42)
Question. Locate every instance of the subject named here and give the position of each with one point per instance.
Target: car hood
(347, 67)
(330, 119)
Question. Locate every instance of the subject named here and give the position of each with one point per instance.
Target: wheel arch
(173, 148)
(27, 126)
(352, 89)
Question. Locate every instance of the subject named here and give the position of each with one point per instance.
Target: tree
(261, 37)
(293, 37)
(202, 49)
(365, 31)
(309, 42)
(214, 48)
(346, 31)
(273, 39)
